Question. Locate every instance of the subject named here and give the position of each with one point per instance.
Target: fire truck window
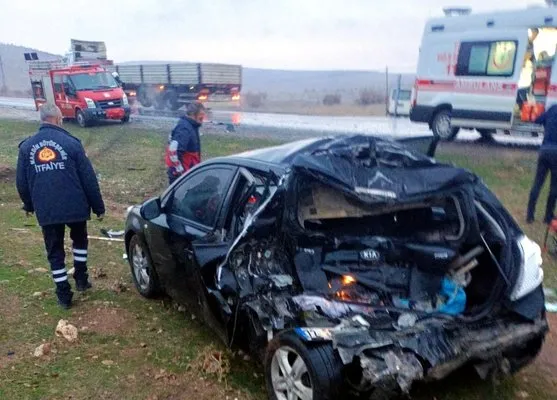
(58, 83)
(486, 58)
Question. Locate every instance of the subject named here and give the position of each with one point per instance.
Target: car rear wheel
(144, 276)
(126, 119)
(80, 119)
(441, 126)
(296, 371)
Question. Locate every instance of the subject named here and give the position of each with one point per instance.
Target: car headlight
(531, 273)
(125, 101)
(90, 103)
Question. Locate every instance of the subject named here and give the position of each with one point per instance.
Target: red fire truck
(84, 92)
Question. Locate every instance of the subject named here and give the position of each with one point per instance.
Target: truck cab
(490, 72)
(399, 102)
(85, 93)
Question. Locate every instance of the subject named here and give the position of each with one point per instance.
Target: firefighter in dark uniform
(547, 164)
(183, 151)
(57, 183)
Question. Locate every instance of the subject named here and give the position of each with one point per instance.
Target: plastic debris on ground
(550, 300)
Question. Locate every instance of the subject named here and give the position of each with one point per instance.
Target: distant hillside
(15, 68)
(311, 85)
(278, 85)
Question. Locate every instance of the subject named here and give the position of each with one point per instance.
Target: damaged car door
(192, 210)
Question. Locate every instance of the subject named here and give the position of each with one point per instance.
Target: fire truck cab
(490, 72)
(84, 92)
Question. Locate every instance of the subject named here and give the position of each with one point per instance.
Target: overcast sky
(286, 34)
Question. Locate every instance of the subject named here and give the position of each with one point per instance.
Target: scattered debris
(213, 362)
(98, 273)
(39, 294)
(66, 330)
(164, 375)
(11, 353)
(107, 362)
(119, 287)
(42, 350)
(105, 239)
(143, 345)
(19, 229)
(522, 395)
(112, 234)
(38, 270)
(550, 300)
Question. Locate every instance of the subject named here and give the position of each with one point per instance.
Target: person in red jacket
(184, 148)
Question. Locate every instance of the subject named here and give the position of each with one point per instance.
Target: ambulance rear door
(486, 74)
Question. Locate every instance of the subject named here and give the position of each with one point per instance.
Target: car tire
(126, 119)
(441, 126)
(80, 119)
(319, 374)
(144, 276)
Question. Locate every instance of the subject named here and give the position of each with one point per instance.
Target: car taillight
(235, 97)
(202, 97)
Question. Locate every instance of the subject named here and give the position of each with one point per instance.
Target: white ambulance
(489, 72)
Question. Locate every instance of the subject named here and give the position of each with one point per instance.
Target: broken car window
(199, 197)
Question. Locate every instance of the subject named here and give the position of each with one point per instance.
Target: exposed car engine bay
(371, 273)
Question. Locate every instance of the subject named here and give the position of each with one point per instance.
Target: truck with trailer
(79, 85)
(490, 72)
(170, 86)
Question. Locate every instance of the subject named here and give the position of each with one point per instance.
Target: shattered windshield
(93, 81)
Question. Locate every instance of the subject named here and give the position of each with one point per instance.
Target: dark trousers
(522, 96)
(54, 243)
(547, 163)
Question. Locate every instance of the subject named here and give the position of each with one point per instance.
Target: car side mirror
(151, 209)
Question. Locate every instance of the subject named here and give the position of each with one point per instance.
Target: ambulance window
(493, 58)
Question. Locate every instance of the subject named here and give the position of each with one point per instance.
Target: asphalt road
(286, 126)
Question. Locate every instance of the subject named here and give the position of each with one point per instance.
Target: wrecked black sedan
(346, 265)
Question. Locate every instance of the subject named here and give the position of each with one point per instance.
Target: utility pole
(3, 87)
(397, 94)
(387, 90)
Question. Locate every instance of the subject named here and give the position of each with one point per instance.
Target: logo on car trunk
(369, 255)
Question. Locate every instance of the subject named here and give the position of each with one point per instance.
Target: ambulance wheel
(441, 126)
(80, 119)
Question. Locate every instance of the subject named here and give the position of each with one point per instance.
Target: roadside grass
(131, 348)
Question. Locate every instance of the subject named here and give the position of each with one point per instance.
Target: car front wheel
(143, 275)
(81, 120)
(296, 371)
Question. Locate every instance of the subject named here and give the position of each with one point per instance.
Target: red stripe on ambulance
(468, 86)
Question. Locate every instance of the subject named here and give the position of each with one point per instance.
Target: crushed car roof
(369, 166)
